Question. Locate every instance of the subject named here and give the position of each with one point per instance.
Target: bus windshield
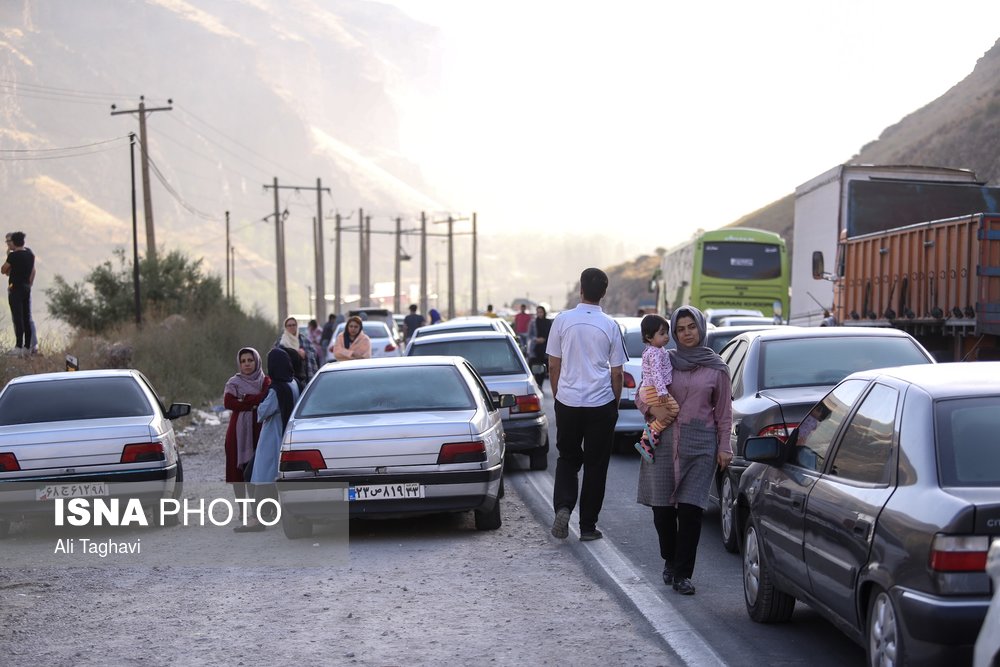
(741, 261)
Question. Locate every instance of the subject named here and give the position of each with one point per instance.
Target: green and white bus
(728, 268)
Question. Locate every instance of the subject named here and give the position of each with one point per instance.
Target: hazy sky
(670, 116)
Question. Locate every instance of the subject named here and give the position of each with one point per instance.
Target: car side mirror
(503, 400)
(764, 449)
(178, 410)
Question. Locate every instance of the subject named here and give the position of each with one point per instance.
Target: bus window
(741, 261)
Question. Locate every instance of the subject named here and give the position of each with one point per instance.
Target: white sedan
(393, 437)
(85, 434)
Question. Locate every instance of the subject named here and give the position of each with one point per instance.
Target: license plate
(385, 491)
(78, 490)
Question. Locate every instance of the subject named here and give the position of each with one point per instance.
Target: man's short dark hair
(413, 307)
(593, 284)
(17, 238)
(331, 317)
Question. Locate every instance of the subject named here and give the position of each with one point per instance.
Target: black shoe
(560, 524)
(590, 535)
(668, 575)
(683, 586)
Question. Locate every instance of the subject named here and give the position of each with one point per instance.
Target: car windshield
(69, 400)
(494, 356)
(807, 362)
(371, 329)
(426, 331)
(966, 437)
(353, 391)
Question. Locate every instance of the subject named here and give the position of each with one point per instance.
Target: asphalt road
(717, 612)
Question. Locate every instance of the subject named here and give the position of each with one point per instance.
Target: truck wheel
(765, 603)
(490, 519)
(727, 512)
(296, 528)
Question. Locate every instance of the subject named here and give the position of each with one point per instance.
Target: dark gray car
(879, 511)
(778, 374)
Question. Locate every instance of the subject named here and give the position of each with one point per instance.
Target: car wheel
(296, 528)
(765, 603)
(727, 512)
(885, 644)
(490, 519)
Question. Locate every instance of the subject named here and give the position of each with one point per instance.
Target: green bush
(106, 298)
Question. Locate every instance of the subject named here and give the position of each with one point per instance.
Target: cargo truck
(937, 280)
(860, 199)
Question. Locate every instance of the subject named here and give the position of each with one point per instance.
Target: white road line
(663, 615)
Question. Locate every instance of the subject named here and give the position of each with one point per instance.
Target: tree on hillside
(173, 283)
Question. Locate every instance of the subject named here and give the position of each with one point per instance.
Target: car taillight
(389, 347)
(462, 452)
(629, 381)
(8, 463)
(779, 431)
(959, 553)
(142, 452)
(529, 403)
(302, 460)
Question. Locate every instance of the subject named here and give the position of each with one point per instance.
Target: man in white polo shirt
(586, 355)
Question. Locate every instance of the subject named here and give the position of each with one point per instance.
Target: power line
(176, 195)
(65, 148)
(54, 90)
(29, 158)
(267, 159)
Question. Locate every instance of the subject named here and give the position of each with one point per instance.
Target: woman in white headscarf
(302, 353)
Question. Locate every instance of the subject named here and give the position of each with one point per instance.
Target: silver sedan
(393, 437)
(85, 434)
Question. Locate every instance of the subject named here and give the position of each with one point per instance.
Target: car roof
(945, 380)
(789, 332)
(70, 375)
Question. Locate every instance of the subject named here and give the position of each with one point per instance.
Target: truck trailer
(937, 280)
(858, 199)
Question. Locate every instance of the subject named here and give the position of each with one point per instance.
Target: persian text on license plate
(78, 490)
(385, 491)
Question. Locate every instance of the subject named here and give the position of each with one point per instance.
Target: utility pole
(423, 262)
(337, 300)
(135, 236)
(318, 250)
(362, 300)
(368, 260)
(320, 257)
(475, 303)
(279, 248)
(451, 267)
(228, 294)
(399, 259)
(147, 199)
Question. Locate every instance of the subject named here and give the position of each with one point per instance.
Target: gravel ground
(430, 591)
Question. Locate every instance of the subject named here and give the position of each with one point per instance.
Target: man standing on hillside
(20, 271)
(586, 354)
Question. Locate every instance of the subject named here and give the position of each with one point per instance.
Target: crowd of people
(685, 396)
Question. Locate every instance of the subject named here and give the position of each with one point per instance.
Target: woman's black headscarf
(279, 369)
